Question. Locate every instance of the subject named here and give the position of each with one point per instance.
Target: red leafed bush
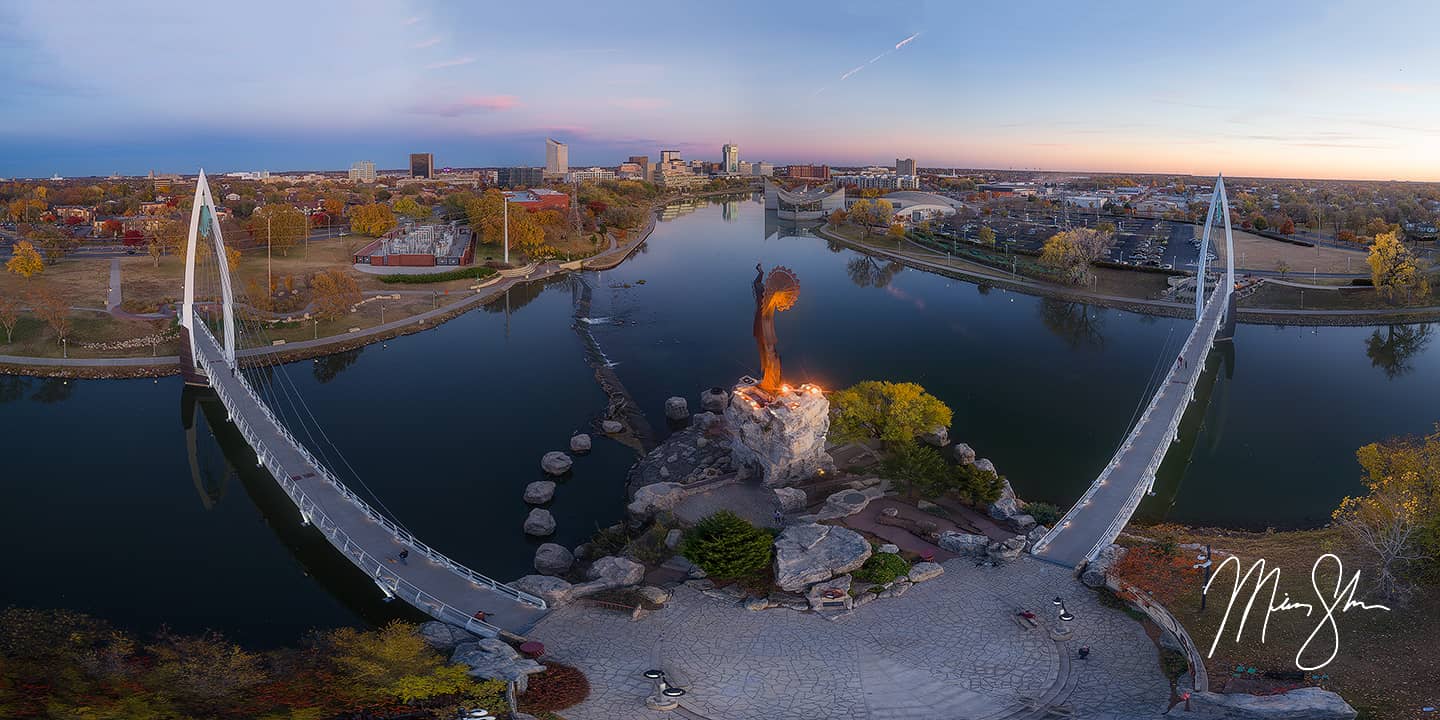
(559, 687)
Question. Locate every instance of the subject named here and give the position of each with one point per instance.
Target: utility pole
(505, 203)
(269, 281)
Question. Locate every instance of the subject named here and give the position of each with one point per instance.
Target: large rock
(986, 465)
(806, 554)
(539, 523)
(938, 436)
(1006, 550)
(782, 438)
(1004, 509)
(1034, 536)
(616, 571)
(539, 492)
(552, 590)
(556, 463)
(1022, 522)
(846, 503)
(1096, 570)
(580, 443)
(444, 636)
(611, 426)
(922, 571)
(791, 499)
(553, 559)
(964, 454)
(714, 400)
(677, 409)
(655, 497)
(963, 543)
(831, 596)
(1309, 703)
(492, 659)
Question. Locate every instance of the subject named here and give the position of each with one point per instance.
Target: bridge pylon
(205, 225)
(1219, 204)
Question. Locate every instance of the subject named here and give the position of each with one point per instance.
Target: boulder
(616, 571)
(580, 443)
(985, 464)
(654, 498)
(714, 400)
(898, 588)
(654, 595)
(610, 427)
(552, 590)
(1310, 703)
(1034, 536)
(757, 603)
(846, 503)
(556, 463)
(1096, 570)
(444, 636)
(673, 538)
(1006, 550)
(791, 499)
(1022, 522)
(539, 523)
(937, 437)
(964, 454)
(704, 420)
(493, 659)
(677, 409)
(889, 549)
(1004, 508)
(553, 559)
(809, 553)
(963, 543)
(831, 596)
(922, 571)
(539, 492)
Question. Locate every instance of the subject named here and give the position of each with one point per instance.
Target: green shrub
(1173, 664)
(727, 547)
(1044, 513)
(978, 487)
(478, 272)
(920, 469)
(882, 568)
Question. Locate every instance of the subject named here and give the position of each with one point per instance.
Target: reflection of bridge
(1105, 508)
(426, 579)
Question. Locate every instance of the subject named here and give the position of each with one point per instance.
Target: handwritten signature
(1329, 605)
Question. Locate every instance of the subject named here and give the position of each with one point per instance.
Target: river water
(111, 506)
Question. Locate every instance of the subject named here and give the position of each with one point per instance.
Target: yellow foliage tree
(892, 412)
(25, 260)
(1396, 273)
(409, 208)
(526, 233)
(335, 293)
(1398, 519)
(374, 219)
(393, 663)
(282, 226)
(1070, 253)
(897, 231)
(485, 214)
(54, 310)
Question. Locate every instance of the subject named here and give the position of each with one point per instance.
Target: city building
(363, 171)
(421, 246)
(633, 170)
(644, 162)
(539, 199)
(518, 176)
(669, 155)
(819, 173)
(557, 157)
(813, 204)
(677, 176)
(730, 159)
(905, 166)
(878, 181)
(76, 211)
(422, 165)
(594, 173)
(762, 169)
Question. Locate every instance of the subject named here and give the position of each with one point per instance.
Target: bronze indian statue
(777, 291)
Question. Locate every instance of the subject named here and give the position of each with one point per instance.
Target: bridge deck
(428, 580)
(1099, 516)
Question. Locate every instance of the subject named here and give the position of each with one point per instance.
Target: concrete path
(112, 300)
(946, 650)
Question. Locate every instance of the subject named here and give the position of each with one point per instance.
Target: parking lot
(1138, 241)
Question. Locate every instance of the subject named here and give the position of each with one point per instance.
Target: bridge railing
(1203, 328)
(389, 581)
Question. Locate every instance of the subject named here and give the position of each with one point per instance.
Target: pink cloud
(469, 105)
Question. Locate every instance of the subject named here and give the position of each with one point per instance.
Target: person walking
(403, 555)
(1084, 651)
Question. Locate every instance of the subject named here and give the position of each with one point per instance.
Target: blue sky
(1310, 89)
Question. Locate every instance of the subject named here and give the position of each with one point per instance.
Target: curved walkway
(947, 650)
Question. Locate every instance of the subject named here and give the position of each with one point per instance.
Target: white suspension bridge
(1110, 501)
(371, 540)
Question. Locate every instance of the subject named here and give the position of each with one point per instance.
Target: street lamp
(1205, 564)
(1064, 612)
(666, 689)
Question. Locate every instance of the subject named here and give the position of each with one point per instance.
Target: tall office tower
(730, 159)
(669, 155)
(557, 157)
(905, 167)
(364, 171)
(422, 165)
(644, 162)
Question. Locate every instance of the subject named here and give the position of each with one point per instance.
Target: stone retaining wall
(1168, 623)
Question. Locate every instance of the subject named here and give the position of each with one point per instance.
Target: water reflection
(13, 387)
(866, 272)
(1393, 349)
(53, 390)
(327, 368)
(1078, 324)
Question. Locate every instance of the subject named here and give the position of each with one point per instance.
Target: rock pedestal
(556, 463)
(677, 409)
(780, 437)
(580, 443)
(714, 400)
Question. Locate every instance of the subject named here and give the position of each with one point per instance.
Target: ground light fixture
(666, 688)
(1065, 614)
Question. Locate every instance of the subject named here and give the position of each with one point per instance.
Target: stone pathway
(948, 649)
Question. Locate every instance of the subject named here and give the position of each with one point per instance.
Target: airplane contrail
(906, 41)
(877, 58)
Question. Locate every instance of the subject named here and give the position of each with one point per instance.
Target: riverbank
(985, 275)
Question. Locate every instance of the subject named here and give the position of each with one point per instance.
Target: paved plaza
(948, 650)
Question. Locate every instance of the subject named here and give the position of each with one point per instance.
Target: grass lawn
(1388, 662)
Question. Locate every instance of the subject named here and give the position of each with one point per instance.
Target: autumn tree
(282, 226)
(374, 219)
(167, 236)
(837, 218)
(892, 412)
(207, 675)
(335, 293)
(1398, 519)
(56, 242)
(391, 664)
(526, 233)
(25, 260)
(9, 314)
(862, 213)
(987, 236)
(485, 214)
(1397, 274)
(54, 310)
(896, 231)
(1287, 227)
(112, 226)
(334, 204)
(408, 207)
(1069, 253)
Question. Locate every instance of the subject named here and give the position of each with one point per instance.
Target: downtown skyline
(1335, 90)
